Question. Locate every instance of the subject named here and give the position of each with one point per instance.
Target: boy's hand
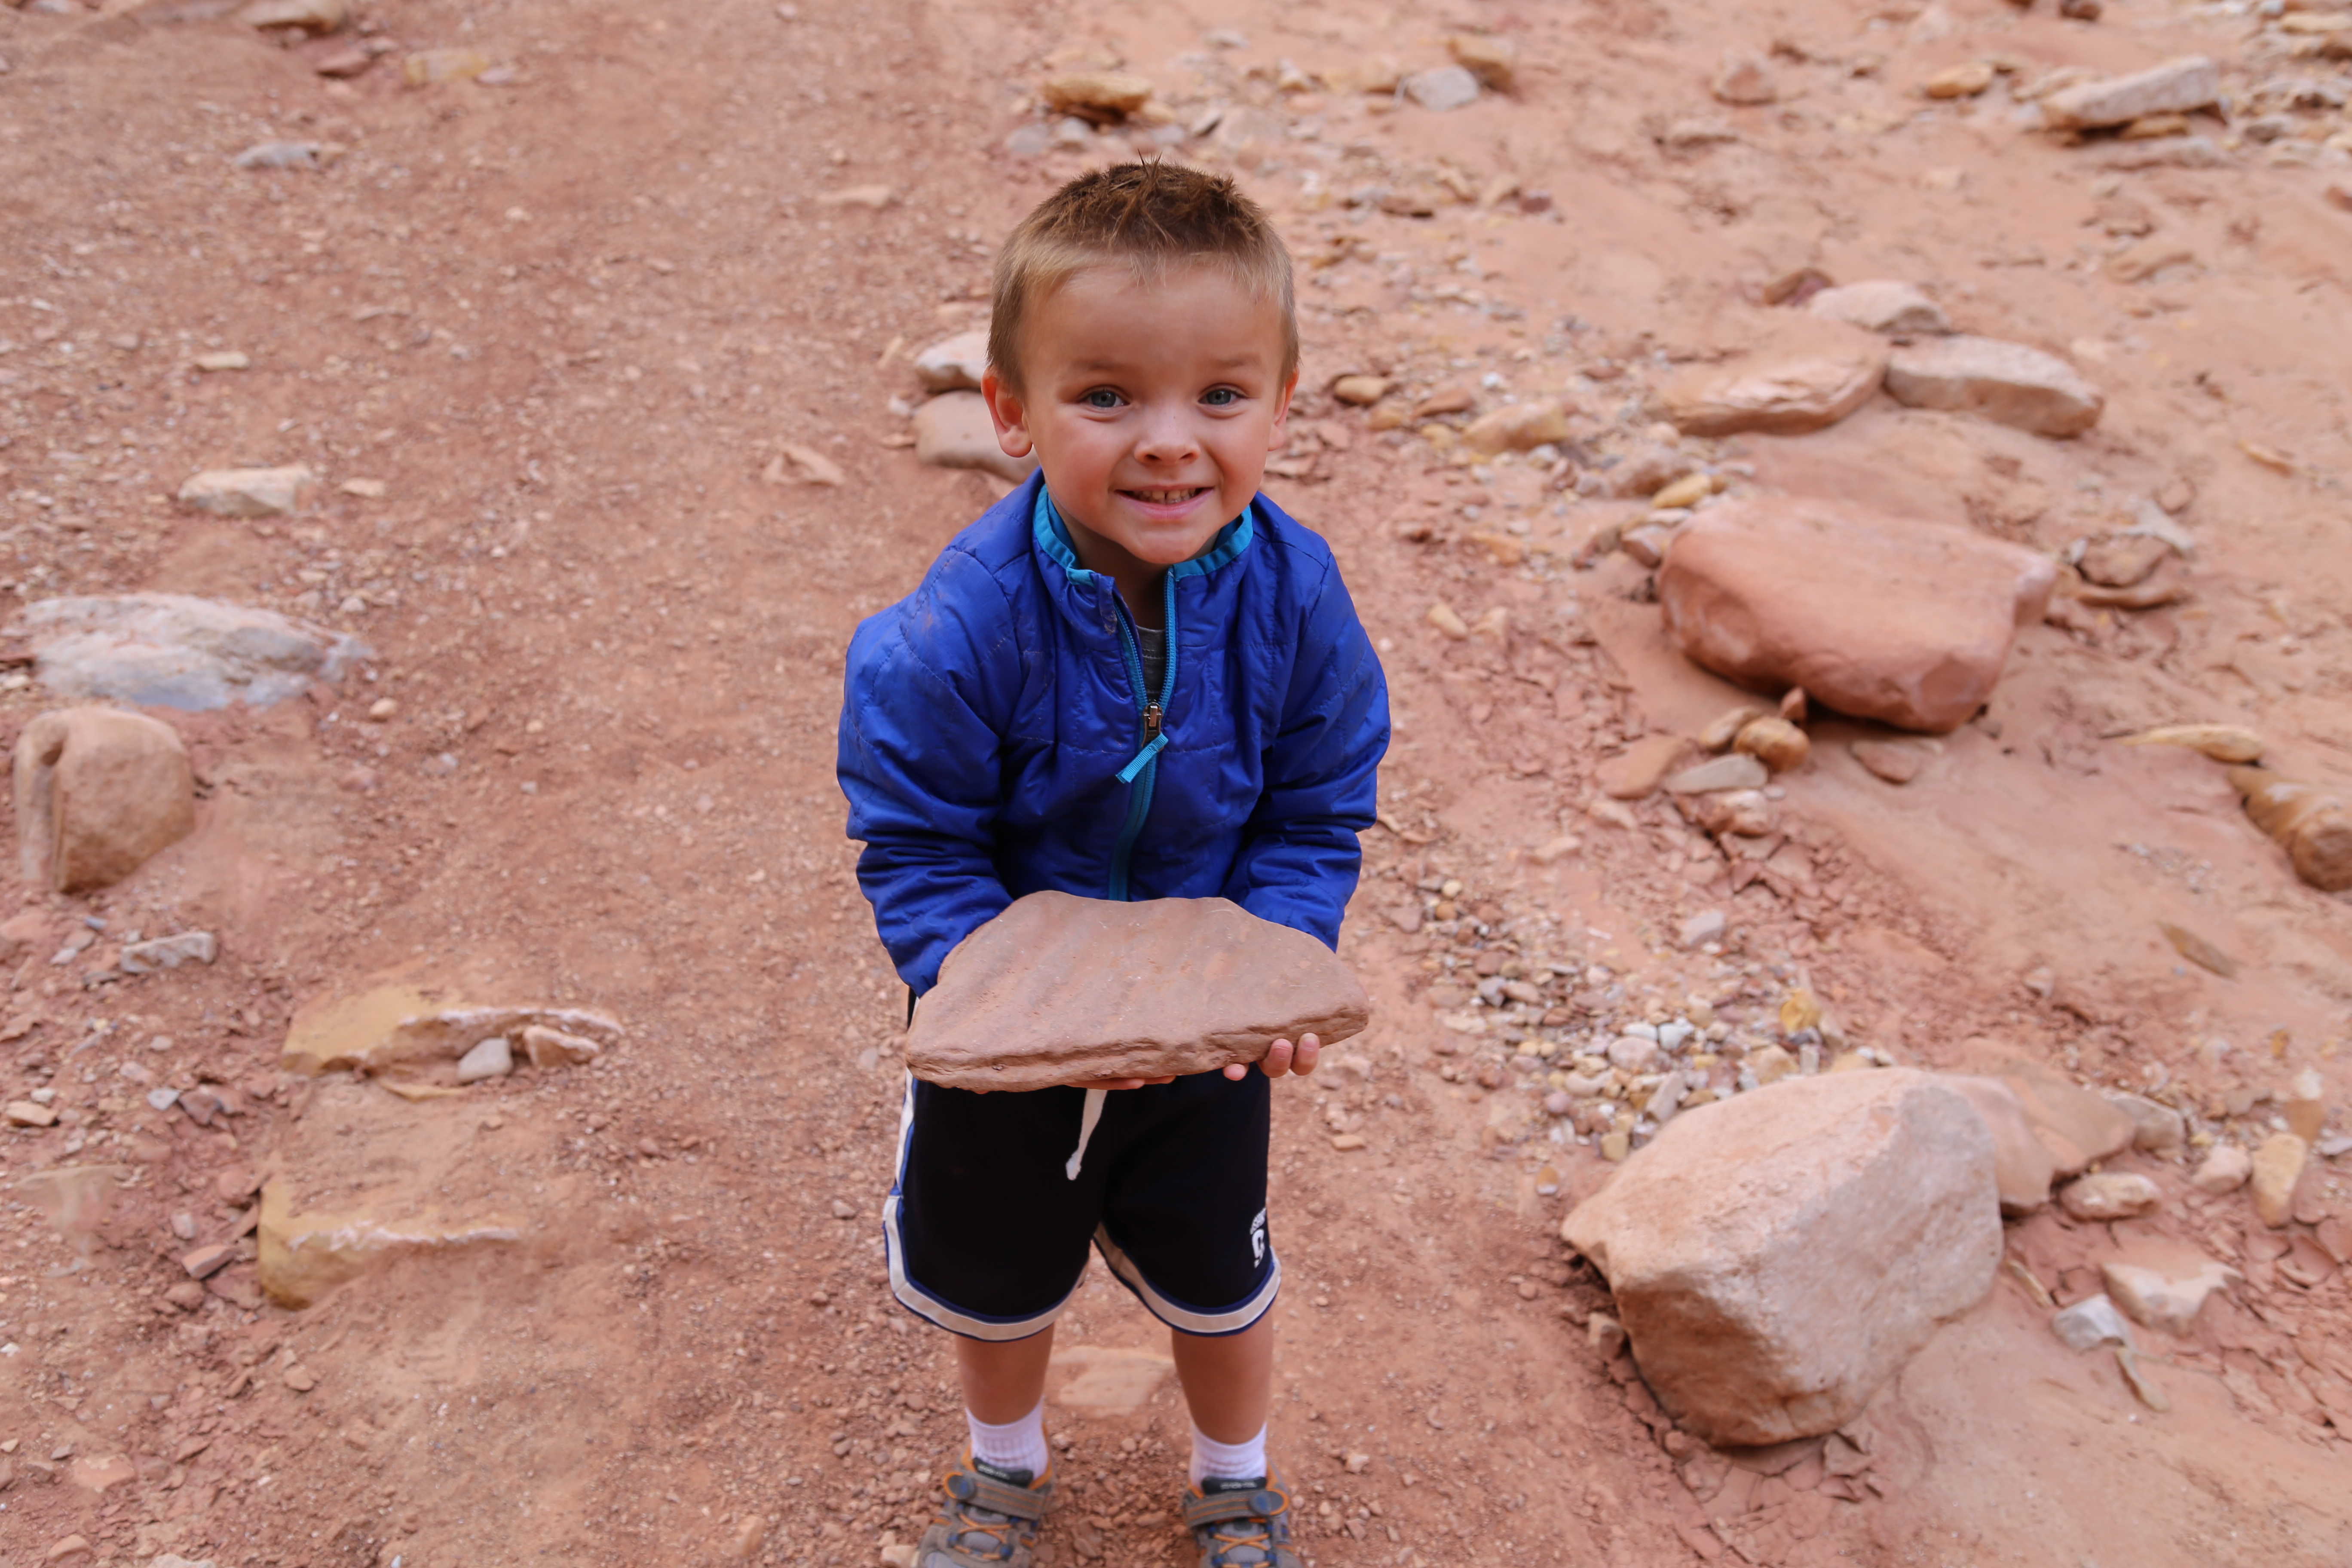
(1283, 1059)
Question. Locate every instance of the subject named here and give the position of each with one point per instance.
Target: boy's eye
(1101, 398)
(1221, 396)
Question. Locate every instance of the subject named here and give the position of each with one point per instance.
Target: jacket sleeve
(929, 694)
(1300, 855)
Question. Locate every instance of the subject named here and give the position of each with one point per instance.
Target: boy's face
(1152, 407)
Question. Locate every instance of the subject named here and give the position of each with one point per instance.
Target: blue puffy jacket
(996, 739)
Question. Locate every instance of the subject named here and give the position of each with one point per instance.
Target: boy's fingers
(1235, 1072)
(1308, 1047)
(1278, 1060)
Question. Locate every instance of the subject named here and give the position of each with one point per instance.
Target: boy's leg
(1004, 1380)
(1228, 1381)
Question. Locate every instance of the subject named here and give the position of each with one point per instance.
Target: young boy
(1134, 678)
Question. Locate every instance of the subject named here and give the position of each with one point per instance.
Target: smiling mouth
(1176, 496)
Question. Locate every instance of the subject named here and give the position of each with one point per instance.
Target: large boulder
(1058, 988)
(1882, 618)
(2008, 384)
(98, 791)
(169, 650)
(953, 431)
(1777, 1256)
(1807, 382)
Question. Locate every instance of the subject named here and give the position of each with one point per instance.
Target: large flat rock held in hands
(1880, 618)
(1058, 988)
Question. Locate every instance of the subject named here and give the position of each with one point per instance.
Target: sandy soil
(570, 320)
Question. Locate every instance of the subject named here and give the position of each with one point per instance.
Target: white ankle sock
(1015, 1445)
(1228, 1461)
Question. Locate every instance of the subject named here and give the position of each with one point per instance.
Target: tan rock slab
(2008, 384)
(1097, 1379)
(953, 365)
(2313, 822)
(1736, 772)
(99, 792)
(1777, 1256)
(2165, 1297)
(1518, 427)
(397, 1024)
(1881, 305)
(1099, 98)
(2177, 85)
(1890, 760)
(2277, 1167)
(2222, 743)
(1786, 390)
(1881, 617)
(953, 431)
(1641, 768)
(306, 1255)
(1058, 988)
(248, 492)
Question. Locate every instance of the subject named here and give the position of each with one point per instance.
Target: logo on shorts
(1257, 1237)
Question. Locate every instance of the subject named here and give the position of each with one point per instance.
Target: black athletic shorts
(988, 1231)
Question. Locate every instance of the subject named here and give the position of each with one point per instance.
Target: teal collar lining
(1045, 528)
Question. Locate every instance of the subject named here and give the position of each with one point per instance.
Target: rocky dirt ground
(563, 318)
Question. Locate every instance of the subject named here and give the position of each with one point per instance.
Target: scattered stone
(1732, 773)
(1098, 98)
(1744, 813)
(1448, 620)
(1906, 622)
(2175, 87)
(1785, 390)
(953, 430)
(2006, 382)
(309, 156)
(2222, 743)
(68, 1549)
(492, 1057)
(1494, 61)
(2223, 1171)
(873, 199)
(2165, 1298)
(248, 492)
(343, 63)
(1179, 985)
(2023, 1166)
(1881, 305)
(310, 16)
(1605, 1334)
(397, 1024)
(206, 1261)
(547, 1048)
(1636, 772)
(1634, 1053)
(2109, 1196)
(187, 1295)
(2126, 1359)
(168, 952)
(1743, 79)
(24, 1113)
(223, 360)
(1706, 926)
(2312, 823)
(1518, 427)
(953, 365)
(365, 489)
(1777, 1256)
(1965, 80)
(1890, 760)
(2146, 259)
(1646, 546)
(2277, 1167)
(1777, 744)
(1442, 91)
(1360, 390)
(2090, 1323)
(435, 68)
(1683, 493)
(98, 791)
(168, 650)
(2157, 1129)
(812, 466)
(2306, 1106)
(1724, 728)
(2197, 950)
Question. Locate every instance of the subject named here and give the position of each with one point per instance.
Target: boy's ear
(1277, 438)
(1008, 414)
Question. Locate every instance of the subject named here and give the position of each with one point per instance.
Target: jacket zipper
(1143, 769)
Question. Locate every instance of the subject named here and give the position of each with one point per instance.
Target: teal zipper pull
(1151, 750)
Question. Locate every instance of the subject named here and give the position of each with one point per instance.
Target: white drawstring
(1086, 1119)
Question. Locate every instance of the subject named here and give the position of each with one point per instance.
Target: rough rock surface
(2173, 87)
(1169, 985)
(170, 650)
(1881, 305)
(305, 1255)
(1880, 618)
(2022, 1167)
(1785, 390)
(953, 431)
(99, 792)
(953, 365)
(397, 1024)
(2008, 384)
(2167, 1297)
(1777, 1256)
(247, 492)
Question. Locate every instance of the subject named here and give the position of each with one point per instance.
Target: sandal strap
(971, 1488)
(1266, 1502)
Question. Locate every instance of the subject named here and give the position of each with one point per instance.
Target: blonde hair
(1151, 216)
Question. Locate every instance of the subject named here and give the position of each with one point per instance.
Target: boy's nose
(1168, 437)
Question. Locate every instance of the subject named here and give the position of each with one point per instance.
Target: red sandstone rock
(98, 791)
(1059, 988)
(1882, 618)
